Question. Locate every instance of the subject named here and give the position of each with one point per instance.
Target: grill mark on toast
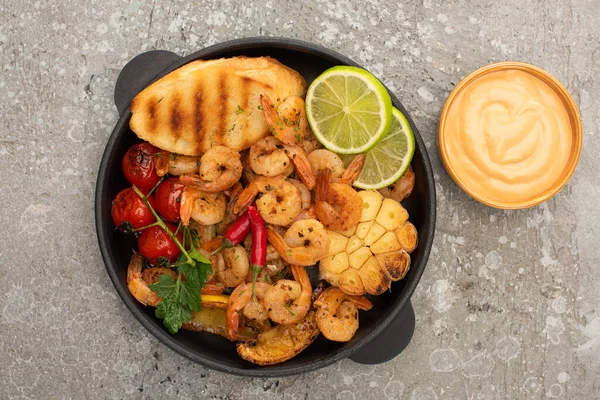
(152, 118)
(245, 93)
(176, 117)
(223, 102)
(199, 128)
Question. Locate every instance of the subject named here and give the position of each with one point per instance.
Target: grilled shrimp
(338, 206)
(304, 243)
(323, 158)
(220, 169)
(305, 195)
(309, 213)
(268, 157)
(138, 281)
(136, 284)
(288, 124)
(176, 164)
(402, 188)
(280, 201)
(204, 208)
(337, 314)
(352, 172)
(310, 142)
(238, 300)
(232, 266)
(288, 301)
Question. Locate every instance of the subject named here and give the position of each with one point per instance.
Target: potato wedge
(213, 320)
(281, 343)
(395, 264)
(373, 278)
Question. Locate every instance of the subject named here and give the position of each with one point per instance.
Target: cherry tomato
(139, 166)
(157, 246)
(168, 199)
(129, 211)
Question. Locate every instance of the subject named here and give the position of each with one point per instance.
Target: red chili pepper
(237, 231)
(234, 235)
(258, 254)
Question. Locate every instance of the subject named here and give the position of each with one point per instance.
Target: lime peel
(390, 158)
(342, 89)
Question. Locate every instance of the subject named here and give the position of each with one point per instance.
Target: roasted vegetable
(281, 343)
(369, 258)
(211, 319)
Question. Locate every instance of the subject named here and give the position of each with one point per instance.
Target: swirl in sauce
(508, 136)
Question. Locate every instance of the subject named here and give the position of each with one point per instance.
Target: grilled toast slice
(212, 102)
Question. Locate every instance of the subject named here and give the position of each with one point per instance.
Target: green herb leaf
(164, 287)
(239, 110)
(172, 314)
(182, 297)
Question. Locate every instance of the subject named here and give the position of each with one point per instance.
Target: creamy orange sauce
(507, 136)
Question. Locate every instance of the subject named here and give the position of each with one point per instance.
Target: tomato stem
(161, 223)
(145, 227)
(162, 178)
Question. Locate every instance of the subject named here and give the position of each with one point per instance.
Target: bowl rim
(170, 340)
(572, 111)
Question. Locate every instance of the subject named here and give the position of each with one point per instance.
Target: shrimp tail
(277, 241)
(134, 270)
(245, 197)
(136, 285)
(187, 205)
(322, 185)
(213, 288)
(268, 109)
(191, 180)
(302, 164)
(300, 256)
(354, 169)
(162, 163)
(361, 302)
(323, 209)
(232, 325)
(196, 182)
(300, 275)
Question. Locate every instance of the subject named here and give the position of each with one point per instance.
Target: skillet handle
(391, 342)
(138, 73)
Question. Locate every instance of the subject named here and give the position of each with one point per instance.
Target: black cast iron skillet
(384, 331)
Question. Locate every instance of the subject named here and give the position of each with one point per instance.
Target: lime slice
(348, 109)
(390, 158)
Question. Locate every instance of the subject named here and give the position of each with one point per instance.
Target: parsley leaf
(181, 297)
(172, 313)
(164, 287)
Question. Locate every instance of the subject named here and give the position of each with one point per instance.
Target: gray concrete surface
(508, 308)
